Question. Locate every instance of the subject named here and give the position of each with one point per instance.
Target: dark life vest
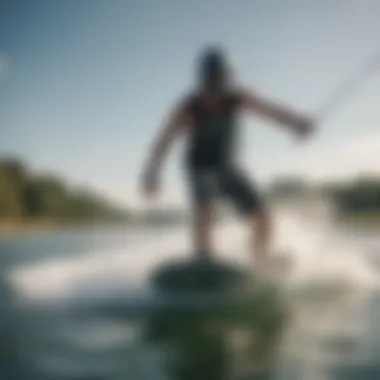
(212, 133)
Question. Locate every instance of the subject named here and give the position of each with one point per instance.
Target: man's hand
(305, 128)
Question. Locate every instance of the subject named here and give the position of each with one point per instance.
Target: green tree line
(361, 194)
(25, 194)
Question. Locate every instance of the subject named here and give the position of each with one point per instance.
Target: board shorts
(210, 184)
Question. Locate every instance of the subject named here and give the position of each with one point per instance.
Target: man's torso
(212, 132)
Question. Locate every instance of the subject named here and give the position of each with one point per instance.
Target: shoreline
(34, 227)
(12, 228)
(20, 229)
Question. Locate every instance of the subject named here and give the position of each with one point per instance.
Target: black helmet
(213, 68)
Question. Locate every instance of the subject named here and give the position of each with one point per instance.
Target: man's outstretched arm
(177, 120)
(174, 125)
(276, 112)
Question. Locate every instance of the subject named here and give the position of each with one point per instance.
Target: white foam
(304, 238)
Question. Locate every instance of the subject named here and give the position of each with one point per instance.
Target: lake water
(334, 335)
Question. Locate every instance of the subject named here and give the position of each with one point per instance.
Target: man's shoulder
(240, 92)
(234, 96)
(190, 99)
(184, 102)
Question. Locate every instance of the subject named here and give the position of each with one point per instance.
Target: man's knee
(204, 213)
(263, 219)
(242, 192)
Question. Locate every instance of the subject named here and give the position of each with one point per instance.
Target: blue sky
(84, 85)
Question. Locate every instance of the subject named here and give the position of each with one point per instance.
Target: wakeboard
(214, 309)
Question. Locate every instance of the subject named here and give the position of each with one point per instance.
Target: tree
(23, 195)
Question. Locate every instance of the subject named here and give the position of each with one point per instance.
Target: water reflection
(332, 333)
(328, 338)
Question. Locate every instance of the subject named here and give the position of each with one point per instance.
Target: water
(334, 285)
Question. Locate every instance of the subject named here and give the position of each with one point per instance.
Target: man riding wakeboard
(208, 118)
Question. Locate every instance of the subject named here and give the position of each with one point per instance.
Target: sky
(85, 85)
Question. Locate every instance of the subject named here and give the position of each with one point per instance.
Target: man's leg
(260, 226)
(203, 187)
(202, 230)
(246, 198)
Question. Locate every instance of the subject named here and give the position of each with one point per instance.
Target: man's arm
(276, 112)
(177, 120)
